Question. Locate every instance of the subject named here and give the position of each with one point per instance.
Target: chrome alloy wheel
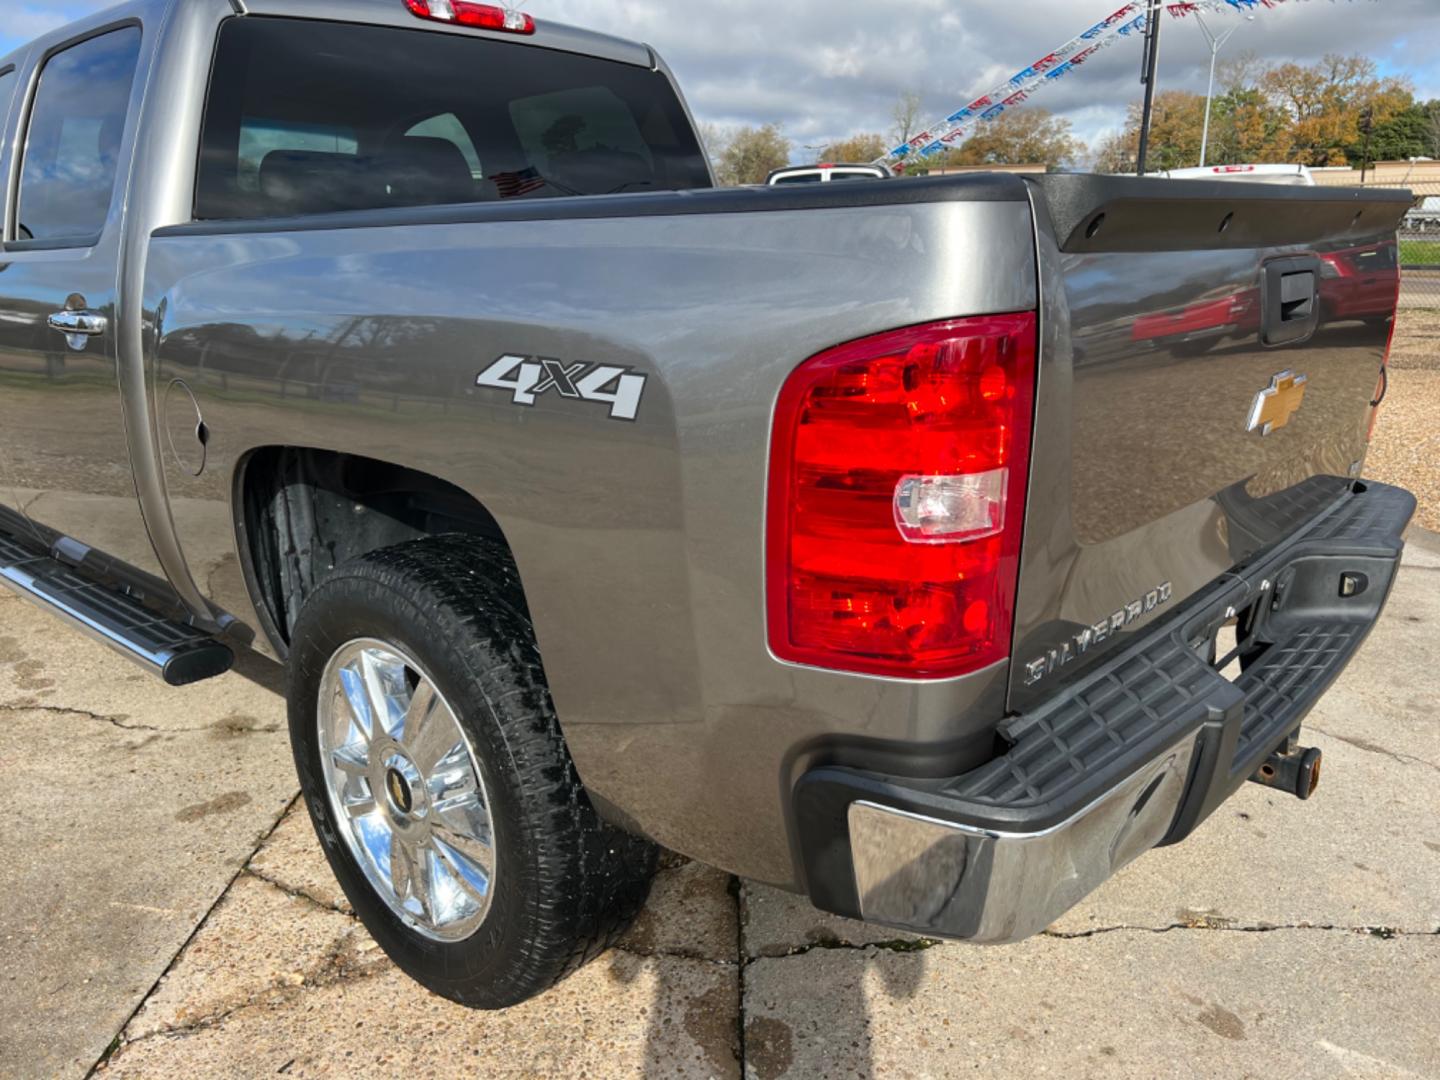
(405, 790)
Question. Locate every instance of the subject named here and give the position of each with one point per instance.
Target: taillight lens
(482, 16)
(898, 472)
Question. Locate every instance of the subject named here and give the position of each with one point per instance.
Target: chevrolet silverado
(890, 543)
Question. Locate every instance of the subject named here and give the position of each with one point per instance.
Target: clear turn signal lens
(951, 509)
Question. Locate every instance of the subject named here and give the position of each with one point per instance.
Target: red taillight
(482, 16)
(898, 470)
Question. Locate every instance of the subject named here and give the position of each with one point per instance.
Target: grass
(1420, 252)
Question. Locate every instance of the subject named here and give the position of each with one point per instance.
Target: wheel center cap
(399, 790)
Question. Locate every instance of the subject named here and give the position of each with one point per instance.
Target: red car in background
(1360, 283)
(1198, 326)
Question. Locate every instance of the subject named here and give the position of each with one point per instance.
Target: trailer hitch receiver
(1291, 768)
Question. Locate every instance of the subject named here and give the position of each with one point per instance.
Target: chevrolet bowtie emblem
(1275, 405)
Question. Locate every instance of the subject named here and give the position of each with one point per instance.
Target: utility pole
(1216, 44)
(1367, 127)
(1147, 76)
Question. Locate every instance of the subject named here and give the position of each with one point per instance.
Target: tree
(1324, 103)
(1239, 72)
(1114, 153)
(1175, 132)
(1407, 134)
(713, 140)
(856, 150)
(1020, 137)
(1245, 127)
(906, 114)
(751, 155)
(1307, 115)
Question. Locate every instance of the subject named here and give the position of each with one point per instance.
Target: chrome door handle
(78, 326)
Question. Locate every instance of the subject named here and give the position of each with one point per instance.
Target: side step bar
(177, 653)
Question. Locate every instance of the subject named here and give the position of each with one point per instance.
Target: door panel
(62, 439)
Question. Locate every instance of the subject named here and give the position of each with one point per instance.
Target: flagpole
(1147, 76)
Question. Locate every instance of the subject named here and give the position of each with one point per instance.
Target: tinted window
(799, 178)
(449, 128)
(260, 137)
(72, 150)
(313, 117)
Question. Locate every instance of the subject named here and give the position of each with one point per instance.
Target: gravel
(1406, 450)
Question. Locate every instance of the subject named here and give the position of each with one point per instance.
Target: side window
(72, 148)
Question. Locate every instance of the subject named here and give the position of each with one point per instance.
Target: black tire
(1198, 347)
(567, 883)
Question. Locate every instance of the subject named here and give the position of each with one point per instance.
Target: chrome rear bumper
(987, 886)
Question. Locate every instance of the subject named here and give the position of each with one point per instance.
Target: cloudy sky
(824, 69)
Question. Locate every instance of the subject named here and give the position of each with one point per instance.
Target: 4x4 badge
(527, 377)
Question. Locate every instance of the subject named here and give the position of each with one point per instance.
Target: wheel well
(305, 512)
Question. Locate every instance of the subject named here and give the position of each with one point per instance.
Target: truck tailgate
(1209, 355)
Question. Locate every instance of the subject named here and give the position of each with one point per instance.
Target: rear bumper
(1134, 754)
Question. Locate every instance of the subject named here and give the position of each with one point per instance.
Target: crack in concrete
(118, 1042)
(261, 999)
(671, 954)
(296, 893)
(736, 889)
(86, 714)
(898, 945)
(1375, 748)
(1385, 933)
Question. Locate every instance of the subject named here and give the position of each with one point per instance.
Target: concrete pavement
(1283, 937)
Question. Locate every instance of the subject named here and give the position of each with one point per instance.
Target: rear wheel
(438, 781)
(1196, 346)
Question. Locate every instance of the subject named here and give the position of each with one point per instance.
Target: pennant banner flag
(1128, 22)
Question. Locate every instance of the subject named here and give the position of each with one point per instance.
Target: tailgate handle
(1297, 295)
(1291, 299)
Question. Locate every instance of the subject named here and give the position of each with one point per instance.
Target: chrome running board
(177, 653)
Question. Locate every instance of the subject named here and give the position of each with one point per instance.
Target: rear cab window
(311, 117)
(72, 143)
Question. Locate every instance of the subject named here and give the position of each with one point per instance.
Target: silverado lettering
(1077, 646)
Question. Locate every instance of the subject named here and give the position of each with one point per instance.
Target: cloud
(824, 69)
(32, 20)
(827, 69)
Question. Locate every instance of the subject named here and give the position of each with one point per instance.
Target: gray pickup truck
(932, 548)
